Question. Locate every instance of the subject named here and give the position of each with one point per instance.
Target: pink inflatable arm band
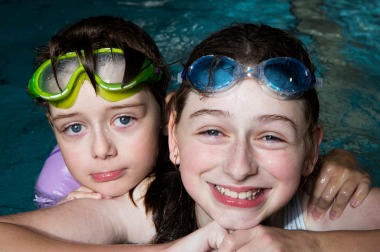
(54, 182)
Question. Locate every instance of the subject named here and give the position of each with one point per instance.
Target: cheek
(144, 145)
(75, 164)
(196, 158)
(285, 167)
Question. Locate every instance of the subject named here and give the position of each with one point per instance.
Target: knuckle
(229, 240)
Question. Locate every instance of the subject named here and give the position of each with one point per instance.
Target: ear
(167, 100)
(169, 97)
(314, 151)
(50, 120)
(172, 138)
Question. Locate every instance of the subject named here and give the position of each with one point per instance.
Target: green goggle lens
(61, 90)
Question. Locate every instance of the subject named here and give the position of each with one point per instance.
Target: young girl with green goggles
(102, 81)
(60, 83)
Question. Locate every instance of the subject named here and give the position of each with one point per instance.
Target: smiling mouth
(247, 195)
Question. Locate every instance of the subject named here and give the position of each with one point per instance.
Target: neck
(275, 220)
(202, 218)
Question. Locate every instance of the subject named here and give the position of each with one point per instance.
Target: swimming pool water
(343, 37)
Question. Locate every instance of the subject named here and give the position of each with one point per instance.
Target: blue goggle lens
(211, 74)
(287, 77)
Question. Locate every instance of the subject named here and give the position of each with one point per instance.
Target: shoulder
(119, 219)
(363, 217)
(139, 223)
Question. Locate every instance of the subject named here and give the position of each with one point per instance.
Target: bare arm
(262, 238)
(100, 221)
(17, 238)
(328, 235)
(79, 221)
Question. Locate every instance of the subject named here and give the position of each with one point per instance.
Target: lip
(239, 203)
(107, 176)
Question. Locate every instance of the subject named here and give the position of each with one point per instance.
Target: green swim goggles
(62, 90)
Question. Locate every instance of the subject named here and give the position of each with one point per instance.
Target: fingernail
(332, 215)
(316, 215)
(354, 203)
(310, 210)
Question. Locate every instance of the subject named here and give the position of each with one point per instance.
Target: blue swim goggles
(285, 77)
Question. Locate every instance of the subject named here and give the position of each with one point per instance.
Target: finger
(216, 236)
(342, 198)
(83, 189)
(319, 187)
(325, 200)
(79, 195)
(237, 240)
(361, 192)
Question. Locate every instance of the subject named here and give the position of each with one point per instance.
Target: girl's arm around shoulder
(264, 238)
(205, 239)
(364, 217)
(78, 220)
(17, 238)
(115, 220)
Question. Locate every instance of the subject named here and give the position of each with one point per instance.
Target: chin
(112, 193)
(237, 223)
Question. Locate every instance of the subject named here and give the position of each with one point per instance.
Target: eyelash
(210, 132)
(130, 121)
(272, 138)
(69, 129)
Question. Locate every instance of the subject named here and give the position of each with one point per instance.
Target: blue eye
(74, 129)
(212, 132)
(271, 138)
(122, 121)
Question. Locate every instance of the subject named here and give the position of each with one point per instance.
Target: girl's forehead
(246, 99)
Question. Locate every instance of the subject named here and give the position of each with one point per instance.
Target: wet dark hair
(249, 44)
(99, 32)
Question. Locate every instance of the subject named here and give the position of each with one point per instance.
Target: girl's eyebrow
(128, 105)
(262, 118)
(212, 112)
(274, 117)
(63, 116)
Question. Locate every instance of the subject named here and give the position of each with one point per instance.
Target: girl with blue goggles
(283, 77)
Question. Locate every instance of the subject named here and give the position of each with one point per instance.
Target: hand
(264, 239)
(339, 182)
(207, 238)
(82, 192)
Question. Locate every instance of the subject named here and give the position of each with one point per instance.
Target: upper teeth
(251, 194)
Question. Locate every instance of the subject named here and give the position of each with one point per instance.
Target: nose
(240, 162)
(102, 146)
